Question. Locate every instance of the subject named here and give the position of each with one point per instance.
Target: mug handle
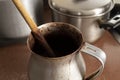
(98, 54)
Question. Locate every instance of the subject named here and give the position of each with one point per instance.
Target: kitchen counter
(14, 59)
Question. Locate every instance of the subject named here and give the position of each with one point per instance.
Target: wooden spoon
(35, 31)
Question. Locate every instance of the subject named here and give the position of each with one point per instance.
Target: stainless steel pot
(12, 24)
(84, 14)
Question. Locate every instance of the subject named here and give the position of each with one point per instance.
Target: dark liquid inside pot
(61, 43)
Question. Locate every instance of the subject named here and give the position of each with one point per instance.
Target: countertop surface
(14, 59)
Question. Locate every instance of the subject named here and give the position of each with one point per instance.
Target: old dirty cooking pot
(84, 14)
(68, 63)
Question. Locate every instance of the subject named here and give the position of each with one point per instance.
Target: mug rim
(60, 57)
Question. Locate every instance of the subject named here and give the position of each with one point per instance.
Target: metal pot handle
(113, 26)
(98, 54)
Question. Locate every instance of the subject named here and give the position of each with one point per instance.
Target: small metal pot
(68, 63)
(84, 14)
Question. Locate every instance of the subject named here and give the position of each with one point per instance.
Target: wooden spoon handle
(26, 15)
(35, 31)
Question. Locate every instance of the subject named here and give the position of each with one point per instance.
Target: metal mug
(84, 14)
(67, 43)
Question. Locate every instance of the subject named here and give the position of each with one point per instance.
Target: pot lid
(82, 7)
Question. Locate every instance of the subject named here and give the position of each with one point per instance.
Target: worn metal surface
(68, 67)
(87, 20)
